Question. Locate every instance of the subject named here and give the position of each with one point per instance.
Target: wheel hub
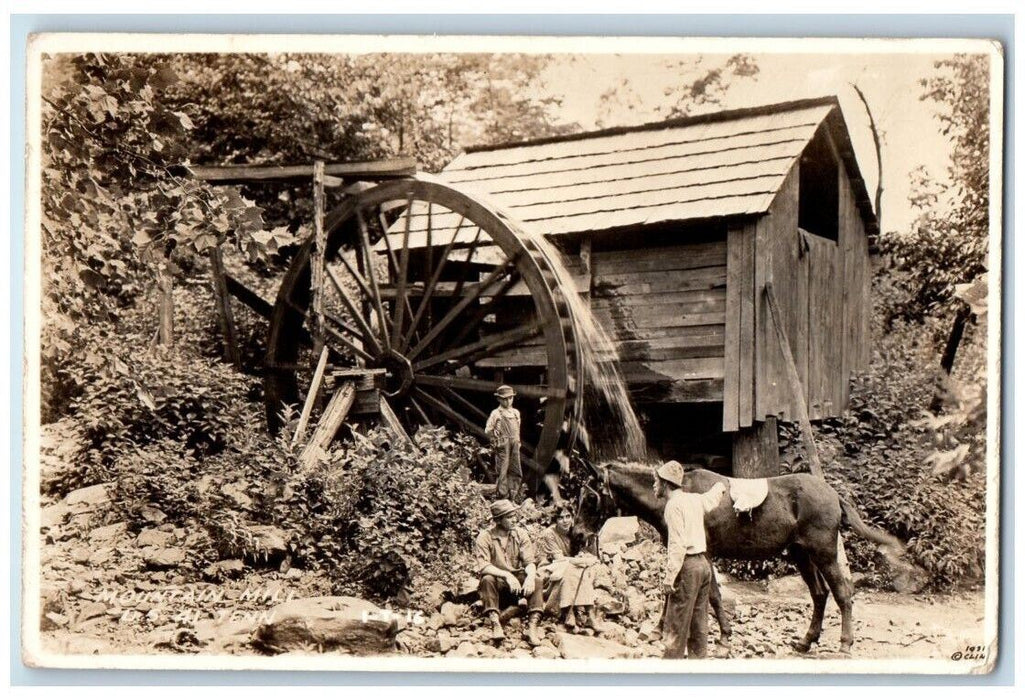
(399, 373)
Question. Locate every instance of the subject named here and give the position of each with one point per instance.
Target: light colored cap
(671, 471)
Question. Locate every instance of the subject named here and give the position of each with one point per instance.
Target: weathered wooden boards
(371, 170)
(756, 451)
(665, 310)
(793, 381)
(822, 289)
(332, 419)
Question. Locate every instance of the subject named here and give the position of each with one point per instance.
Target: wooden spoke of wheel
(403, 343)
(400, 290)
(469, 256)
(420, 411)
(375, 291)
(383, 318)
(354, 310)
(486, 386)
(355, 349)
(487, 344)
(453, 415)
(454, 312)
(484, 309)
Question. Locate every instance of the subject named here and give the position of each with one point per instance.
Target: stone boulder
(154, 538)
(108, 533)
(576, 646)
(328, 623)
(617, 531)
(88, 498)
(163, 557)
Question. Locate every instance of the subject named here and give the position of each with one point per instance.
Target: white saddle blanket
(748, 494)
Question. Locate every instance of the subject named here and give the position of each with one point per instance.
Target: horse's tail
(870, 533)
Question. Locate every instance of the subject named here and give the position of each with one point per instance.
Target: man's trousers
(493, 591)
(686, 621)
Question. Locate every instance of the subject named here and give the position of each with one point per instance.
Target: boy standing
(503, 428)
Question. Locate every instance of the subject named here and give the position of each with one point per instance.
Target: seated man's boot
(496, 626)
(533, 635)
(586, 619)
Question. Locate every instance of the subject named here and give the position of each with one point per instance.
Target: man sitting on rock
(506, 564)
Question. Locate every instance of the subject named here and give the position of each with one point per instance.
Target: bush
(877, 456)
(386, 517)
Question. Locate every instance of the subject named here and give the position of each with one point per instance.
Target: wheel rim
(455, 300)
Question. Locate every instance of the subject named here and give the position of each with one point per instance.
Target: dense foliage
(949, 242)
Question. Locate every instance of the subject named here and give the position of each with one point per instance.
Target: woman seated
(568, 574)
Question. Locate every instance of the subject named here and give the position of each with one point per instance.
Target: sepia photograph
(512, 354)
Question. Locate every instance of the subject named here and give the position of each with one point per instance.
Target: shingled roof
(723, 164)
(715, 165)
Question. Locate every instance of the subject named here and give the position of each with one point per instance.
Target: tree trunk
(229, 336)
(165, 306)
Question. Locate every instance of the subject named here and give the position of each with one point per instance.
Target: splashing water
(606, 401)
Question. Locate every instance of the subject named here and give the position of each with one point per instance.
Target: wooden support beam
(229, 335)
(247, 296)
(317, 262)
(311, 397)
(794, 380)
(368, 170)
(334, 415)
(391, 421)
(756, 450)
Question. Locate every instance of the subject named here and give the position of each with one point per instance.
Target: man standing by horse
(688, 574)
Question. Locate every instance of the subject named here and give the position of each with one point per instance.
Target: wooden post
(391, 421)
(756, 450)
(311, 397)
(794, 380)
(165, 305)
(229, 336)
(317, 257)
(335, 413)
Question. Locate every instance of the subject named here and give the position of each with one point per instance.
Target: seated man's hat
(502, 508)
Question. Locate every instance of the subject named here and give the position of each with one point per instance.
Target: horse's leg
(843, 593)
(819, 596)
(715, 600)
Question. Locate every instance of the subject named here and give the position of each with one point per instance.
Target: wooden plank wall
(665, 308)
(822, 286)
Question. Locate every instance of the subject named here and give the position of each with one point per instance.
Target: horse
(801, 516)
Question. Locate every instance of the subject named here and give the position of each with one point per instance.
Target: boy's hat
(505, 392)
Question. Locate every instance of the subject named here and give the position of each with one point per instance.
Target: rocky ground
(110, 591)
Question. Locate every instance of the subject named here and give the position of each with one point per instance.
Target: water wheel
(447, 295)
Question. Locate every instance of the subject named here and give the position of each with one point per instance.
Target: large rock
(154, 538)
(108, 533)
(617, 531)
(88, 498)
(328, 623)
(576, 646)
(163, 557)
(636, 604)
